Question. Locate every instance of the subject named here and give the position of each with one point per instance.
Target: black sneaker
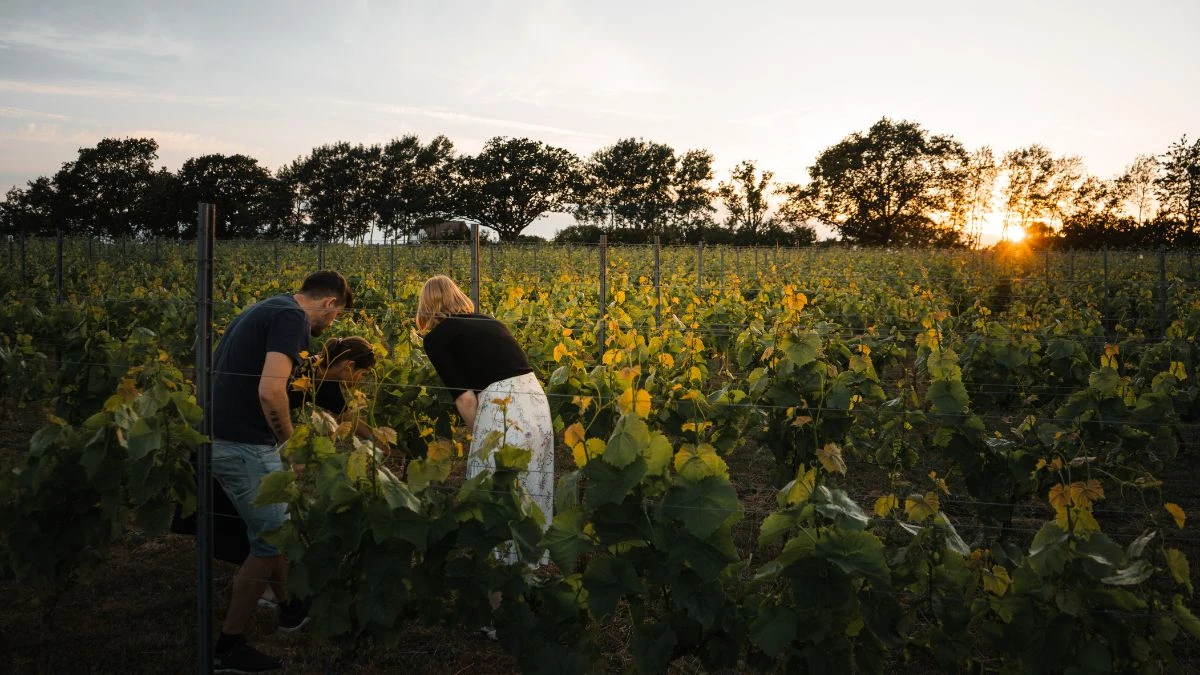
(242, 658)
(293, 616)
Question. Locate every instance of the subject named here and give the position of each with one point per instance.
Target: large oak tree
(513, 182)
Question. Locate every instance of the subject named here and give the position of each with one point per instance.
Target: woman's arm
(467, 405)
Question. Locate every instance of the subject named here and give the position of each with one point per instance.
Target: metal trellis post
(204, 339)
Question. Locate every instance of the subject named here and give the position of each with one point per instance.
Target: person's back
(276, 324)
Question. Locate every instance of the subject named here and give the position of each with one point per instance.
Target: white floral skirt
(518, 409)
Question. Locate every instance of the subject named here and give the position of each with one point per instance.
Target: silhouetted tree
(29, 211)
(1040, 187)
(892, 185)
(1179, 190)
(644, 186)
(239, 188)
(513, 182)
(416, 183)
(335, 189)
(104, 191)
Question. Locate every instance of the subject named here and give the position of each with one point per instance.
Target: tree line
(895, 184)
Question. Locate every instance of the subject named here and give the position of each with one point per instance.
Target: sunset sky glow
(775, 82)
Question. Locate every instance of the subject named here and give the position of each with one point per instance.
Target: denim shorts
(239, 468)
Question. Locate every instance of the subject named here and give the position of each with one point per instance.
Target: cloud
(41, 132)
(464, 118)
(172, 145)
(111, 92)
(24, 113)
(90, 45)
(189, 144)
(772, 119)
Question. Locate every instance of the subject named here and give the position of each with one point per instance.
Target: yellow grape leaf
(1177, 562)
(699, 462)
(1178, 370)
(301, 383)
(625, 401)
(801, 421)
(831, 458)
(439, 451)
(619, 296)
(573, 435)
(1111, 350)
(1058, 496)
(1176, 513)
(566, 332)
(627, 375)
(357, 465)
(560, 350)
(996, 580)
(921, 507)
(583, 452)
(1074, 519)
(886, 504)
(666, 360)
(1083, 494)
(800, 489)
(768, 352)
(385, 435)
(939, 483)
(641, 403)
(584, 402)
(1041, 464)
(299, 437)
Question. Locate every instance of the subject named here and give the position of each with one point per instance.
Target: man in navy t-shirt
(251, 420)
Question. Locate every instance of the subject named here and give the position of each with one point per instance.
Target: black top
(329, 396)
(471, 351)
(273, 325)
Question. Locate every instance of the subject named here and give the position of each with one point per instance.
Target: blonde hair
(440, 298)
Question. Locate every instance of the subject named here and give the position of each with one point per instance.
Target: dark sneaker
(293, 616)
(242, 658)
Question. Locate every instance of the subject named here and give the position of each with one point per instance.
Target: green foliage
(80, 487)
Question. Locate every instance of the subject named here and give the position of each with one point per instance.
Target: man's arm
(272, 394)
(467, 405)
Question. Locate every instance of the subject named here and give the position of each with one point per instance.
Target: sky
(773, 82)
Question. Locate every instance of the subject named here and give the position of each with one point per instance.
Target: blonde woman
(492, 385)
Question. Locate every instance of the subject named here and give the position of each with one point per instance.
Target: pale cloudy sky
(771, 81)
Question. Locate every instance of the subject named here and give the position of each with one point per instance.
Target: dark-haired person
(251, 419)
(492, 385)
(341, 362)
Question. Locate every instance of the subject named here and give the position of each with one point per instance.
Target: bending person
(342, 362)
(492, 385)
(251, 420)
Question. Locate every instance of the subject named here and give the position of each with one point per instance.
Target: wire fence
(68, 272)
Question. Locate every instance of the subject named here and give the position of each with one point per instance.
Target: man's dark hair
(328, 283)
